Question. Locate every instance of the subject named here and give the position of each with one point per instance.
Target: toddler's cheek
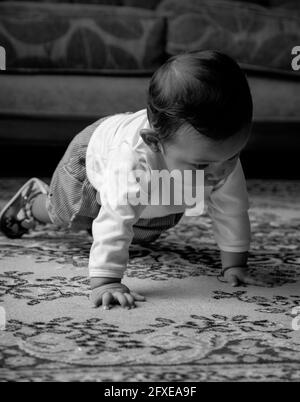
(219, 172)
(231, 165)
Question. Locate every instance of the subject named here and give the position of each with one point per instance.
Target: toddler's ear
(150, 138)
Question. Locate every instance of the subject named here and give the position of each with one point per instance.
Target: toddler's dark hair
(206, 89)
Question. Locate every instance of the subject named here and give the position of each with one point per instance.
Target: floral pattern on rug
(53, 334)
(186, 250)
(199, 341)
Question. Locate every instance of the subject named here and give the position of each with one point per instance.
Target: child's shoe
(16, 218)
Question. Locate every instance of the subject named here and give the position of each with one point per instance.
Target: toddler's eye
(201, 167)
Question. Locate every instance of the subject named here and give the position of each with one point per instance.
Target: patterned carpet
(191, 328)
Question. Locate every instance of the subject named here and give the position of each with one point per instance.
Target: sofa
(68, 64)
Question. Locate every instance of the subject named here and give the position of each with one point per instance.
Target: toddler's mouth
(212, 181)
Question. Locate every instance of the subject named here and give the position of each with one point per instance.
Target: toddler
(198, 118)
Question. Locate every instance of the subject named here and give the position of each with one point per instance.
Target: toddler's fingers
(121, 298)
(107, 299)
(234, 281)
(266, 280)
(130, 299)
(138, 297)
(249, 280)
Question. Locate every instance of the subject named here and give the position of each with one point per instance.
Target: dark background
(71, 63)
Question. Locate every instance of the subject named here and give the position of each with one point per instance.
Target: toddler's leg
(16, 218)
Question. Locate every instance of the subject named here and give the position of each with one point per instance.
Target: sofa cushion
(264, 3)
(275, 97)
(250, 33)
(152, 4)
(282, 3)
(104, 2)
(138, 3)
(290, 6)
(76, 36)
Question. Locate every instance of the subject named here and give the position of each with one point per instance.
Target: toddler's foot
(16, 217)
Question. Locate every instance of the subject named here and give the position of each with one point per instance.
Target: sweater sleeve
(228, 206)
(113, 227)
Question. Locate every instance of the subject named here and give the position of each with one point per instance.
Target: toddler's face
(193, 151)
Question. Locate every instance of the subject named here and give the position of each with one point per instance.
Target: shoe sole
(13, 199)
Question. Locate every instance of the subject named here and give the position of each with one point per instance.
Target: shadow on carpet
(192, 326)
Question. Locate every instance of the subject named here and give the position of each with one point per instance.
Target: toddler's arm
(113, 231)
(228, 207)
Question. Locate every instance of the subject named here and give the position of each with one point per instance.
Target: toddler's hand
(239, 275)
(114, 293)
